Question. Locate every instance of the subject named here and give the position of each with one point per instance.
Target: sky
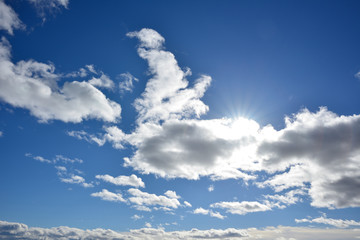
(179, 119)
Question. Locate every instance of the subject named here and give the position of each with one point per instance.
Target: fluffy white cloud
(33, 86)
(76, 179)
(241, 208)
(109, 196)
(127, 82)
(140, 198)
(11, 230)
(340, 223)
(208, 212)
(131, 180)
(211, 188)
(9, 19)
(166, 95)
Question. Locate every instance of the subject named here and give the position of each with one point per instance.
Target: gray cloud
(10, 230)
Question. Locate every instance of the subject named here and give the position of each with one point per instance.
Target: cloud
(241, 208)
(33, 86)
(137, 217)
(171, 194)
(103, 82)
(75, 179)
(166, 95)
(322, 149)
(9, 19)
(82, 135)
(187, 204)
(45, 7)
(127, 82)
(187, 149)
(11, 230)
(211, 188)
(109, 196)
(132, 180)
(38, 158)
(340, 223)
(208, 212)
(316, 152)
(140, 198)
(357, 75)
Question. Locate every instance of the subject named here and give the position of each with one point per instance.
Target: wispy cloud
(9, 19)
(340, 223)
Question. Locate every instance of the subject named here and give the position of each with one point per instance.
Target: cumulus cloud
(109, 196)
(208, 212)
(127, 82)
(166, 95)
(211, 188)
(33, 86)
(131, 180)
(322, 149)
(9, 19)
(11, 230)
(140, 198)
(340, 223)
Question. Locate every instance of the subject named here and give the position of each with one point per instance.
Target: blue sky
(179, 119)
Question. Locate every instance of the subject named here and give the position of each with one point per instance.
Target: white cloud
(103, 82)
(127, 82)
(11, 230)
(340, 223)
(45, 7)
(38, 158)
(9, 19)
(61, 158)
(187, 204)
(171, 194)
(149, 38)
(137, 217)
(208, 212)
(148, 225)
(287, 198)
(132, 180)
(241, 208)
(140, 198)
(357, 75)
(109, 196)
(211, 188)
(82, 135)
(33, 86)
(166, 95)
(76, 179)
